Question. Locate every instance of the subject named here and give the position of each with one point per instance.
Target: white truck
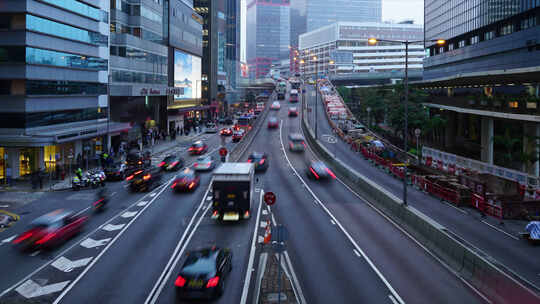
(232, 188)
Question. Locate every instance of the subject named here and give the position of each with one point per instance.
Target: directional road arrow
(66, 265)
(91, 243)
(31, 289)
(129, 214)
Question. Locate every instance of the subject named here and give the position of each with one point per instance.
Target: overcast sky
(398, 10)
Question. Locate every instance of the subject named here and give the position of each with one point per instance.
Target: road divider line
(173, 260)
(96, 259)
(500, 230)
(247, 280)
(349, 237)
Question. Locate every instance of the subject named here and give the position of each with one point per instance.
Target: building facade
(309, 15)
(342, 48)
(268, 35)
(485, 81)
(53, 82)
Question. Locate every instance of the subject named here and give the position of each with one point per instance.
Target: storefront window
(49, 157)
(28, 161)
(3, 164)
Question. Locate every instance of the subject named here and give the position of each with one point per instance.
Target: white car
(211, 128)
(204, 163)
(275, 105)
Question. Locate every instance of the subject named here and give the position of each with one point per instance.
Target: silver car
(204, 163)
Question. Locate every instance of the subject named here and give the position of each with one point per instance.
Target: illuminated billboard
(187, 75)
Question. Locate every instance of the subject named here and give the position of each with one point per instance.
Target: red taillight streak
(261, 162)
(161, 164)
(209, 164)
(191, 185)
(147, 177)
(99, 201)
(23, 237)
(174, 164)
(315, 174)
(180, 282)
(46, 238)
(291, 145)
(249, 160)
(173, 185)
(129, 177)
(303, 143)
(213, 282)
(331, 173)
(195, 165)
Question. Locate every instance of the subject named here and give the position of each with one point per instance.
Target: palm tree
(530, 153)
(509, 143)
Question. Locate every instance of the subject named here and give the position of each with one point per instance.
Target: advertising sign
(187, 75)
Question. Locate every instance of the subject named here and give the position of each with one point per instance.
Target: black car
(144, 180)
(171, 162)
(318, 170)
(260, 160)
(116, 171)
(203, 273)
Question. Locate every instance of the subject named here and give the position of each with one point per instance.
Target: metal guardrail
(486, 277)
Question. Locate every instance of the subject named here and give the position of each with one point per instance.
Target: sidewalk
(24, 186)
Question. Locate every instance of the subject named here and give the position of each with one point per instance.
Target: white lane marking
(63, 294)
(263, 224)
(9, 239)
(457, 208)
(209, 198)
(91, 243)
(113, 194)
(357, 253)
(333, 223)
(82, 211)
(111, 227)
(273, 220)
(257, 189)
(129, 214)
(66, 265)
(153, 194)
(500, 230)
(4, 206)
(393, 299)
(260, 239)
(353, 242)
(31, 289)
(33, 254)
(173, 260)
(247, 281)
(264, 212)
(142, 203)
(296, 286)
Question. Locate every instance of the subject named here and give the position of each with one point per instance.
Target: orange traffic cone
(267, 233)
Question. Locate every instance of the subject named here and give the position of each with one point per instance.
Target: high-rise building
(268, 35)
(53, 82)
(480, 36)
(221, 32)
(343, 48)
(155, 63)
(309, 15)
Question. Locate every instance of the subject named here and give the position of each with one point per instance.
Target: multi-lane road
(340, 249)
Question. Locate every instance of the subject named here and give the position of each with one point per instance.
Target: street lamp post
(417, 133)
(373, 41)
(368, 117)
(316, 94)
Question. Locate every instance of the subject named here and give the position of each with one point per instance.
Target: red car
(198, 147)
(187, 180)
(293, 112)
(237, 135)
(272, 123)
(50, 230)
(226, 132)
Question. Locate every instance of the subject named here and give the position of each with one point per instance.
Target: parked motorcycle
(78, 183)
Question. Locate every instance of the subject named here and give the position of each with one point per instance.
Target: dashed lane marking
(111, 227)
(91, 243)
(129, 214)
(357, 253)
(153, 194)
(142, 203)
(66, 265)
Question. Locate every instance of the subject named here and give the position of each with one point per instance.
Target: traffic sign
(223, 151)
(269, 198)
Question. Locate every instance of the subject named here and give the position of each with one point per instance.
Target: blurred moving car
(203, 273)
(273, 123)
(204, 163)
(226, 132)
(171, 162)
(198, 148)
(238, 135)
(116, 171)
(136, 159)
(211, 128)
(260, 160)
(275, 106)
(187, 180)
(144, 180)
(318, 170)
(293, 111)
(229, 121)
(50, 230)
(296, 142)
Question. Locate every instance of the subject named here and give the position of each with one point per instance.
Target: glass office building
(481, 35)
(268, 35)
(53, 84)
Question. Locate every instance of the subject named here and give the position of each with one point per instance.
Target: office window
(474, 39)
(507, 29)
(489, 35)
(461, 43)
(53, 28)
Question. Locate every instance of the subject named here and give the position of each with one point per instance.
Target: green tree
(509, 143)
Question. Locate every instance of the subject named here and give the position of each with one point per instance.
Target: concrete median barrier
(482, 274)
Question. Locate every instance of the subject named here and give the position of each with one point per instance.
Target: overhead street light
(374, 41)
